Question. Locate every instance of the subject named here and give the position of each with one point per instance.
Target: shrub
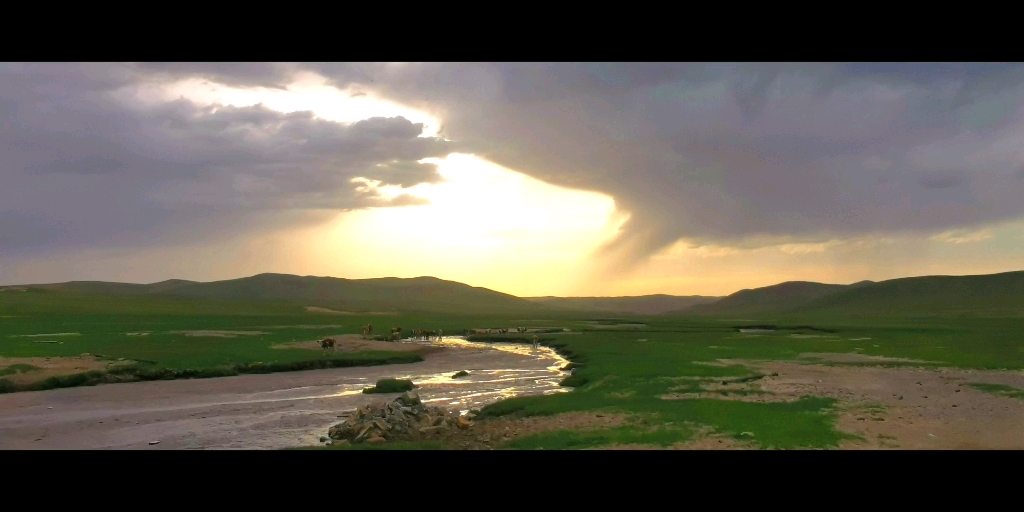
(391, 386)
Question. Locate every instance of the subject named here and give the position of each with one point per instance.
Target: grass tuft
(391, 386)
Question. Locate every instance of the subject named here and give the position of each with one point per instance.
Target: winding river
(267, 411)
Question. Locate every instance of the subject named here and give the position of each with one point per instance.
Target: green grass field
(624, 363)
(627, 372)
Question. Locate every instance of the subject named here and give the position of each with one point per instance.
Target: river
(267, 411)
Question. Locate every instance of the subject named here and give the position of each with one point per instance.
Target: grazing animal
(427, 334)
(327, 343)
(395, 336)
(367, 330)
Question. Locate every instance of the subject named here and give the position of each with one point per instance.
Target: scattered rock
(154, 442)
(406, 417)
(324, 439)
(409, 398)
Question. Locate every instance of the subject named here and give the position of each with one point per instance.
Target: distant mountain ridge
(988, 294)
(387, 294)
(643, 304)
(782, 296)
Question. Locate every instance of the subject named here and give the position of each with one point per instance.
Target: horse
(327, 343)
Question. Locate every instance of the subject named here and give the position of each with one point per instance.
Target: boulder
(409, 398)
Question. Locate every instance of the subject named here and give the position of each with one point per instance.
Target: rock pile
(404, 418)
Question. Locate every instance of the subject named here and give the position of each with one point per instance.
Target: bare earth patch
(317, 309)
(492, 433)
(220, 334)
(910, 408)
(356, 343)
(835, 357)
(53, 366)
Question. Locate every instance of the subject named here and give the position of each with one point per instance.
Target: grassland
(626, 364)
(629, 372)
(148, 338)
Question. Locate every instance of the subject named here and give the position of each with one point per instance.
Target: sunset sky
(530, 179)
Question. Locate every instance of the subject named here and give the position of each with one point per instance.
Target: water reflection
(539, 374)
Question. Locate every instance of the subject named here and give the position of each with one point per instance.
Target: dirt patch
(220, 334)
(356, 343)
(715, 443)
(911, 408)
(317, 309)
(834, 357)
(492, 433)
(45, 367)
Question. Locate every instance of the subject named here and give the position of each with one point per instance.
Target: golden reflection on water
(491, 384)
(483, 385)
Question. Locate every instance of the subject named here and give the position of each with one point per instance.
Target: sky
(596, 179)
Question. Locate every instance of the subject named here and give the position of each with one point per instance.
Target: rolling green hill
(769, 299)
(420, 294)
(996, 295)
(643, 305)
(992, 295)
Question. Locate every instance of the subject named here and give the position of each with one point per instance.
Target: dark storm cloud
(940, 182)
(725, 152)
(83, 168)
(716, 153)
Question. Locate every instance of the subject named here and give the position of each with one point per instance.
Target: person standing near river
(535, 341)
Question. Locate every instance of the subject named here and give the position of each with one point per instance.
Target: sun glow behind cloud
(483, 224)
